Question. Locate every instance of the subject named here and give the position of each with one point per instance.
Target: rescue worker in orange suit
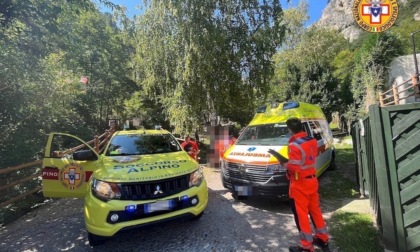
(191, 147)
(303, 189)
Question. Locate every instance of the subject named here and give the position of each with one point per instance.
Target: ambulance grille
(154, 189)
(252, 173)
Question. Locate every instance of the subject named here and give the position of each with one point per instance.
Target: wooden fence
(400, 92)
(387, 149)
(98, 143)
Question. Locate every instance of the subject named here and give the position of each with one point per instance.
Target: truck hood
(253, 154)
(145, 167)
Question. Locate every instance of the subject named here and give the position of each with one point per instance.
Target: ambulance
(142, 178)
(247, 167)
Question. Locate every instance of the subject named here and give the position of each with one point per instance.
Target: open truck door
(67, 166)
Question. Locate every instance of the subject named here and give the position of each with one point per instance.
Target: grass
(341, 182)
(351, 231)
(354, 232)
(339, 187)
(344, 154)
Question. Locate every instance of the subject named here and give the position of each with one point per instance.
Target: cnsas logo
(375, 15)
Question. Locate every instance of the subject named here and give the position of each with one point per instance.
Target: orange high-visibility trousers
(304, 199)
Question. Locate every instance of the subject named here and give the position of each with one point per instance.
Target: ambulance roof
(285, 110)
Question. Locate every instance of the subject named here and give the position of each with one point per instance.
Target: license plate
(162, 205)
(243, 190)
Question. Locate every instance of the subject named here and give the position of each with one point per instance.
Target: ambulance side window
(306, 128)
(326, 131)
(316, 130)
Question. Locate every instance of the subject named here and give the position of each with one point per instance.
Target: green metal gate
(387, 147)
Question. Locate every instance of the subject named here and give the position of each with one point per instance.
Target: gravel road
(227, 225)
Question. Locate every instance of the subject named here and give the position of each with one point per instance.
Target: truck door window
(63, 146)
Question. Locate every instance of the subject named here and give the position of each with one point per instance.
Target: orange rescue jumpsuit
(303, 190)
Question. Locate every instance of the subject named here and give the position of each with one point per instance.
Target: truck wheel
(197, 217)
(95, 240)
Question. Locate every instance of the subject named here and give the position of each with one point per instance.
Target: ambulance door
(67, 166)
(324, 155)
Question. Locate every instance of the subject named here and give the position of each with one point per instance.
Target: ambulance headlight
(105, 190)
(196, 177)
(275, 168)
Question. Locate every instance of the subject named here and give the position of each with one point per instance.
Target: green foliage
(294, 19)
(305, 73)
(342, 66)
(371, 70)
(200, 59)
(405, 25)
(45, 46)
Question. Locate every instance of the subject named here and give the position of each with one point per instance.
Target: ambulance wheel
(223, 180)
(95, 240)
(235, 196)
(332, 166)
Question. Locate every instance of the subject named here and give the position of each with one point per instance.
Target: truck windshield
(266, 134)
(122, 145)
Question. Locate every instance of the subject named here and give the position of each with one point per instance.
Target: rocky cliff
(338, 15)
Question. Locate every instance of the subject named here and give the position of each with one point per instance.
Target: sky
(315, 7)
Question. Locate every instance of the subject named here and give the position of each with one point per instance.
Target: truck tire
(197, 217)
(95, 240)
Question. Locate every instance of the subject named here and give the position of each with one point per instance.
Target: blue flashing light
(130, 208)
(290, 105)
(261, 109)
(184, 198)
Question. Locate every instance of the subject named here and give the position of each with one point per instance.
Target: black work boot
(321, 244)
(298, 249)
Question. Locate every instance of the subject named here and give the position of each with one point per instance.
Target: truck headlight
(275, 168)
(196, 177)
(105, 190)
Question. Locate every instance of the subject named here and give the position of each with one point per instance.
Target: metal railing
(395, 95)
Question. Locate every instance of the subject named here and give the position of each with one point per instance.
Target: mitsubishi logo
(242, 168)
(157, 190)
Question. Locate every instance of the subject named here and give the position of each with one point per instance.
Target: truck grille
(251, 173)
(154, 189)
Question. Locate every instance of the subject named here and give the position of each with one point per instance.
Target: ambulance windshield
(266, 134)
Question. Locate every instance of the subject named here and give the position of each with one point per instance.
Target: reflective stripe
(305, 167)
(321, 230)
(303, 139)
(302, 161)
(294, 162)
(307, 237)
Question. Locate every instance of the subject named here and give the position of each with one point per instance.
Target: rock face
(338, 15)
(401, 70)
